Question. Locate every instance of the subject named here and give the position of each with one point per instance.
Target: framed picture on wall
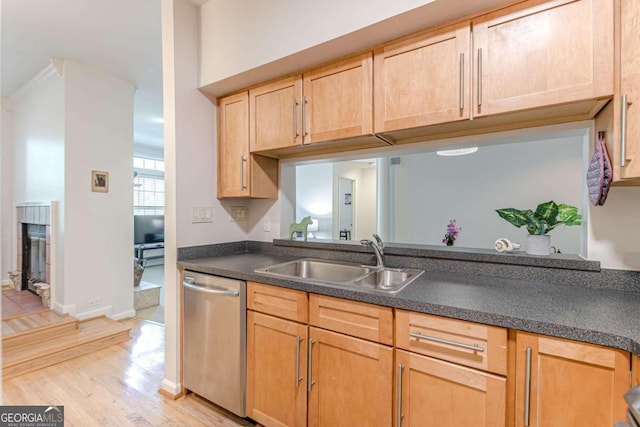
(347, 198)
(99, 181)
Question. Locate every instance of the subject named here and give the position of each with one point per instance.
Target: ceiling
(119, 37)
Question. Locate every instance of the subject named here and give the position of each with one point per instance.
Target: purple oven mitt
(600, 173)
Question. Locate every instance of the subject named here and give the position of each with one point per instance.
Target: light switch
(201, 214)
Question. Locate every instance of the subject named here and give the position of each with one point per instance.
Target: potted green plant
(545, 218)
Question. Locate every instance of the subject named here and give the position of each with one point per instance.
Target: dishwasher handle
(188, 282)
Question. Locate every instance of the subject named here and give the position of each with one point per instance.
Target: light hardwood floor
(117, 386)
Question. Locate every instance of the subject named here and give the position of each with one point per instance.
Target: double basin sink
(344, 274)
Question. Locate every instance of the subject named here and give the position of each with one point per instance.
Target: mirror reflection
(410, 197)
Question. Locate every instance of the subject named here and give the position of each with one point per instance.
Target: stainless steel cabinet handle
(418, 335)
(209, 290)
(527, 387)
(304, 116)
(479, 77)
(399, 396)
(462, 81)
(243, 160)
(298, 378)
(295, 118)
(623, 132)
(310, 382)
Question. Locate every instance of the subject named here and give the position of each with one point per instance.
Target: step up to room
(31, 354)
(36, 327)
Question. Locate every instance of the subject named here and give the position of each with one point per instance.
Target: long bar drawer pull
(310, 381)
(527, 387)
(419, 336)
(399, 396)
(298, 377)
(623, 131)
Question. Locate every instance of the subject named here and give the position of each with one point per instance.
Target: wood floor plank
(117, 386)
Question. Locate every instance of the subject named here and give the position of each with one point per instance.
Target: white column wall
(7, 224)
(98, 237)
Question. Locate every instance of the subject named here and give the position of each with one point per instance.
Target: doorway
(346, 208)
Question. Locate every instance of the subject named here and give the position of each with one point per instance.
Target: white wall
(38, 173)
(98, 226)
(7, 224)
(614, 230)
(245, 42)
(314, 197)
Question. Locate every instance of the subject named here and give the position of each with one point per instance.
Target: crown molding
(55, 68)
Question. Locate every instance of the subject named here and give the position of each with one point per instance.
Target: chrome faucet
(378, 248)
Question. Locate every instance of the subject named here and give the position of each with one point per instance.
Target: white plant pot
(538, 244)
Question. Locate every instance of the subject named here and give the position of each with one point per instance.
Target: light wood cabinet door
(542, 53)
(241, 174)
(351, 381)
(233, 146)
(630, 89)
(571, 383)
(434, 393)
(338, 100)
(276, 371)
(276, 115)
(423, 80)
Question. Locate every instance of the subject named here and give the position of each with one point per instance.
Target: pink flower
(451, 233)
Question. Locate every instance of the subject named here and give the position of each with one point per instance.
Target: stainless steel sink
(317, 269)
(388, 280)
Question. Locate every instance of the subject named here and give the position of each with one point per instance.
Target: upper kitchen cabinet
(241, 174)
(337, 100)
(621, 118)
(543, 53)
(423, 80)
(276, 115)
(627, 157)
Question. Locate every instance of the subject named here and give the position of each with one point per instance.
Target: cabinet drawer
(358, 319)
(458, 341)
(286, 303)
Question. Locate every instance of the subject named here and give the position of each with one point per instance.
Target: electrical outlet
(238, 213)
(201, 214)
(94, 302)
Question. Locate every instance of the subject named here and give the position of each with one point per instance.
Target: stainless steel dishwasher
(214, 339)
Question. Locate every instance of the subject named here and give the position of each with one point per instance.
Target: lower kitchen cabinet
(351, 381)
(435, 393)
(276, 371)
(566, 383)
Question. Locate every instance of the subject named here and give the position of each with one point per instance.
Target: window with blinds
(148, 186)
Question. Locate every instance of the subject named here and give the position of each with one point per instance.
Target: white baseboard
(170, 387)
(103, 311)
(124, 315)
(59, 308)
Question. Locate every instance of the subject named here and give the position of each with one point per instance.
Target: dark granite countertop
(598, 316)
